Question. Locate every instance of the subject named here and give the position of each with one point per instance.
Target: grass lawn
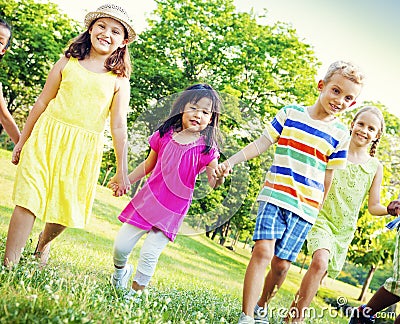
(196, 281)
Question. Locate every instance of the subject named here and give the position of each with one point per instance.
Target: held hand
(218, 177)
(16, 153)
(223, 169)
(394, 207)
(113, 186)
(119, 184)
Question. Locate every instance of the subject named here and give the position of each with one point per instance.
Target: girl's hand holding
(394, 207)
(16, 153)
(113, 186)
(119, 184)
(223, 169)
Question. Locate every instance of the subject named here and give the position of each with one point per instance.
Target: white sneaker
(261, 315)
(122, 282)
(245, 319)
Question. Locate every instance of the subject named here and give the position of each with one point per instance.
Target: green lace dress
(337, 220)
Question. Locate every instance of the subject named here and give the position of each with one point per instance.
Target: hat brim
(94, 15)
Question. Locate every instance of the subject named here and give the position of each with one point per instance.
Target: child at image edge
(60, 149)
(311, 143)
(6, 119)
(332, 233)
(389, 293)
(184, 145)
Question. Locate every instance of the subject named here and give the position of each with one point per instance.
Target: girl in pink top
(184, 145)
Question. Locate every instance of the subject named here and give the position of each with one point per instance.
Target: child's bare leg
(381, 300)
(50, 232)
(136, 286)
(274, 280)
(21, 224)
(255, 272)
(309, 285)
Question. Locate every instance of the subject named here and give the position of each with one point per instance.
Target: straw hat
(115, 12)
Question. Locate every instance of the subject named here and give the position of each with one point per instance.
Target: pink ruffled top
(165, 198)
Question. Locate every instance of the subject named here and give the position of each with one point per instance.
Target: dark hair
(193, 94)
(118, 62)
(373, 110)
(6, 25)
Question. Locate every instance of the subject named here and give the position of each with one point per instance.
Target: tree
(40, 33)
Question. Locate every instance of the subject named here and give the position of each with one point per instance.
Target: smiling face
(197, 116)
(337, 94)
(106, 35)
(5, 35)
(365, 128)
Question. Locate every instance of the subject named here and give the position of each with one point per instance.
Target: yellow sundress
(60, 162)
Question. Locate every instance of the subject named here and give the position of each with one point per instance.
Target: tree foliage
(40, 33)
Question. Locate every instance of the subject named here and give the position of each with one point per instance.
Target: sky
(362, 31)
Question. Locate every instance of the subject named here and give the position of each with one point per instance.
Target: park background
(258, 66)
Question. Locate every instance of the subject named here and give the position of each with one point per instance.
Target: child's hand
(119, 184)
(16, 153)
(223, 169)
(394, 207)
(113, 186)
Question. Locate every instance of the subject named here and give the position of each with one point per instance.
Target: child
(60, 149)
(333, 231)
(389, 293)
(311, 143)
(184, 144)
(6, 119)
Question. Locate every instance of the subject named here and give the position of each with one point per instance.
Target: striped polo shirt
(305, 149)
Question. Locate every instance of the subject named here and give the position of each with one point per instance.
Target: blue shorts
(288, 229)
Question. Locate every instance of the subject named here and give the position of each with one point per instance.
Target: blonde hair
(347, 69)
(373, 110)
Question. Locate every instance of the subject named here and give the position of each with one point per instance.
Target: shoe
(122, 282)
(44, 255)
(261, 315)
(245, 319)
(359, 317)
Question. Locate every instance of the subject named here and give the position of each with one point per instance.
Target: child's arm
(118, 116)
(144, 168)
(250, 151)
(7, 121)
(374, 197)
(327, 183)
(213, 179)
(49, 92)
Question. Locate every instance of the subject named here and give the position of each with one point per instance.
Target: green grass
(196, 281)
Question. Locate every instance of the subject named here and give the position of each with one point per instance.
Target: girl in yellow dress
(60, 148)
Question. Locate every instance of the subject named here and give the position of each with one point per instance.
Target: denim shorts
(288, 229)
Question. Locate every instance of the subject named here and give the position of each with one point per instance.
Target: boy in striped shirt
(310, 143)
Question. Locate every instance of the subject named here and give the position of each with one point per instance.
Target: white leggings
(153, 245)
